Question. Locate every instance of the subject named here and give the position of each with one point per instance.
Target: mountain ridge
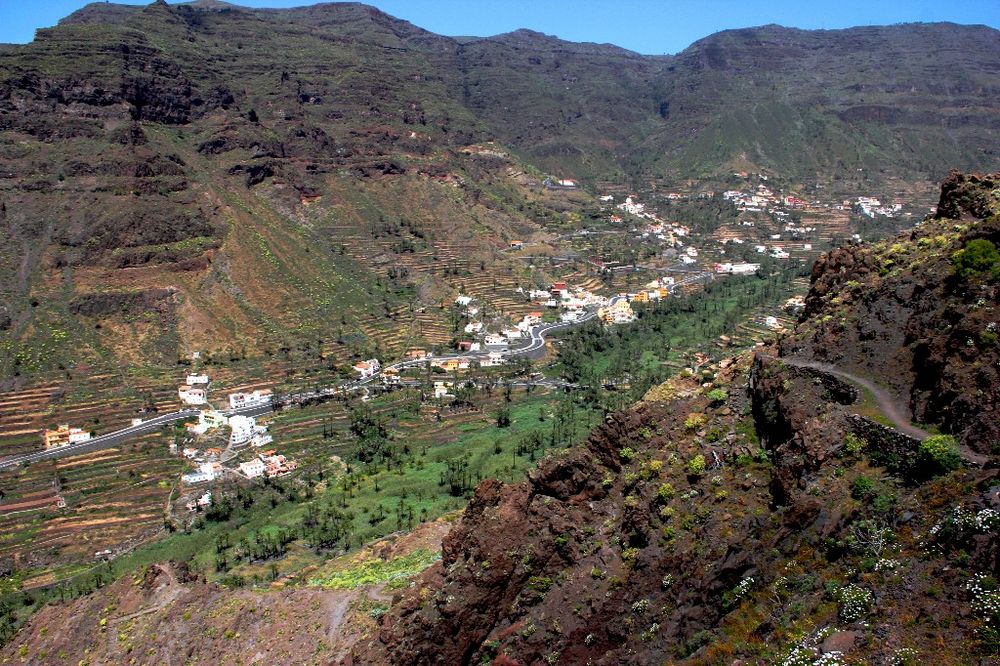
(207, 120)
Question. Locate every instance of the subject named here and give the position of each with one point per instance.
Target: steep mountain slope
(902, 304)
(805, 103)
(148, 212)
(764, 510)
(206, 176)
(759, 512)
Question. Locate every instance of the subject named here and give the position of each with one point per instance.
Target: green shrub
(855, 603)
(695, 420)
(696, 466)
(863, 488)
(626, 454)
(717, 396)
(977, 258)
(854, 445)
(938, 455)
(539, 583)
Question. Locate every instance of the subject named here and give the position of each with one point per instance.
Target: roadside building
(190, 395)
(253, 399)
(366, 369)
(64, 436)
(207, 420)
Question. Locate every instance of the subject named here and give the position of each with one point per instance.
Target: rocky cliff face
(756, 513)
(900, 311)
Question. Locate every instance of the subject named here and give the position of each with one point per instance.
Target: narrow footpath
(886, 404)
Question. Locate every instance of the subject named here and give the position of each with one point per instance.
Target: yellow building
(64, 436)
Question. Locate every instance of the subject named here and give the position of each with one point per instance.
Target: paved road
(102, 441)
(115, 438)
(111, 439)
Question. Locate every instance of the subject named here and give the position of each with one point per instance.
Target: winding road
(534, 348)
(886, 404)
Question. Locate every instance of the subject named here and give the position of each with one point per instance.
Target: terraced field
(109, 499)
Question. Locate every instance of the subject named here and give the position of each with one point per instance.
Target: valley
(328, 339)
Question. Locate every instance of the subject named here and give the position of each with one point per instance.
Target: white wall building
(253, 468)
(258, 397)
(243, 429)
(366, 369)
(190, 395)
(194, 380)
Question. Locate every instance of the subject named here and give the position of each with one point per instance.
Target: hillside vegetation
(789, 505)
(764, 510)
(209, 177)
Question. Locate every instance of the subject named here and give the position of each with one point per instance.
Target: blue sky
(646, 26)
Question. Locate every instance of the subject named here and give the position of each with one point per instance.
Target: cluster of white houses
(572, 303)
(195, 390)
(242, 429)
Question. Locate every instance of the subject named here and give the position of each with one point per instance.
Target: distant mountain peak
(212, 4)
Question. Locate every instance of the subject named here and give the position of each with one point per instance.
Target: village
(616, 258)
(640, 254)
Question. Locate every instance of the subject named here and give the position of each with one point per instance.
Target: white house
(474, 327)
(261, 437)
(243, 429)
(366, 369)
(196, 477)
(190, 395)
(441, 389)
(494, 340)
(463, 300)
(493, 359)
(194, 380)
(253, 468)
(258, 397)
(539, 295)
(207, 419)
